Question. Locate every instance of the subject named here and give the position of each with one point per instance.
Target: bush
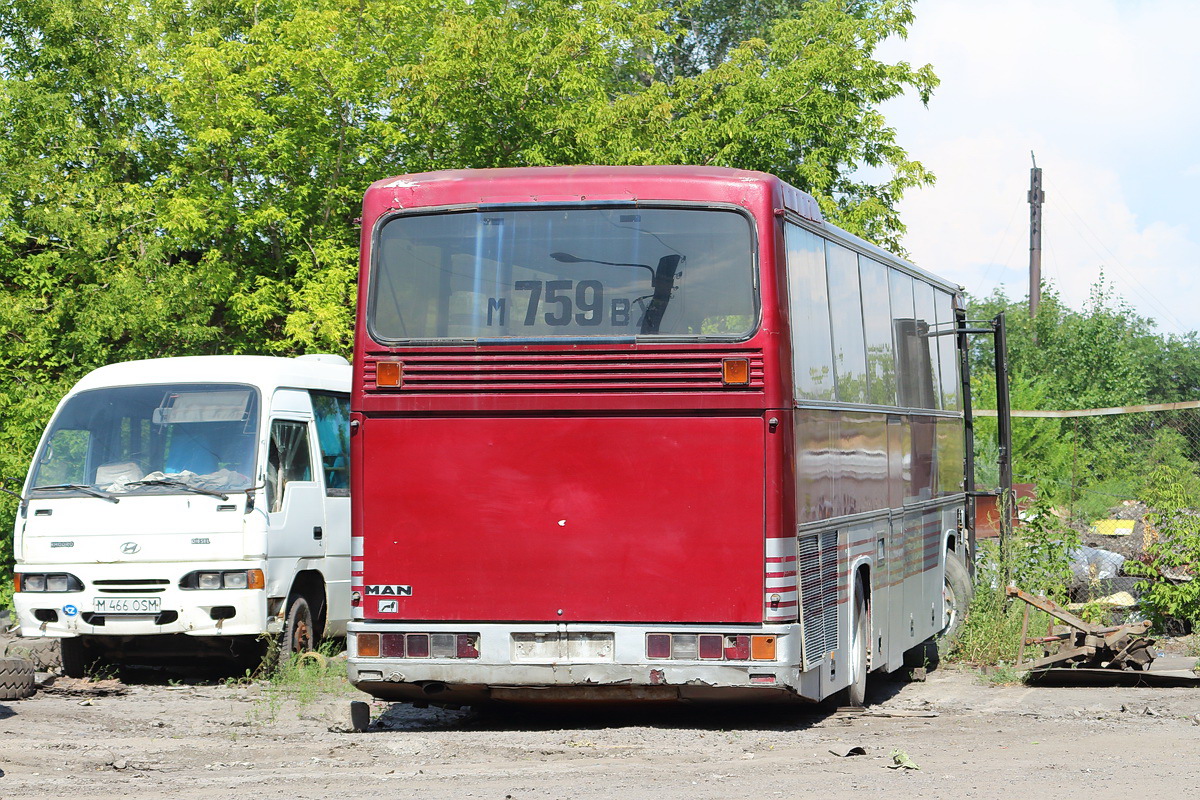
(1035, 559)
(1170, 590)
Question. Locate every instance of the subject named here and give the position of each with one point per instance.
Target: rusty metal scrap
(1080, 644)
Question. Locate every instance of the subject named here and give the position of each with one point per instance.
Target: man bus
(644, 433)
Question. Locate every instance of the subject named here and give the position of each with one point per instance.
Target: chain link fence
(1094, 467)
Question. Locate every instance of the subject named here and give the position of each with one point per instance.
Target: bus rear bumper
(613, 668)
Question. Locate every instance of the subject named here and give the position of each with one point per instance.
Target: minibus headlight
(228, 579)
(235, 580)
(48, 582)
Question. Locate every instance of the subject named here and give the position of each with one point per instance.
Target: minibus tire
(16, 678)
(298, 629)
(77, 657)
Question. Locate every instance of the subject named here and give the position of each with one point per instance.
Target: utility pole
(1036, 196)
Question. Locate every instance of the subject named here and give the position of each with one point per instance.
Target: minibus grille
(658, 370)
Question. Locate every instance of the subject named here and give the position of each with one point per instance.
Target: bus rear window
(564, 273)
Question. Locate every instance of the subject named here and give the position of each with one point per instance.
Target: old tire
(856, 652)
(16, 678)
(298, 631)
(957, 591)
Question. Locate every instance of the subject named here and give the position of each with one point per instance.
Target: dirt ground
(154, 737)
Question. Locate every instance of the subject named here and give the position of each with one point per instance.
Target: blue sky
(1107, 94)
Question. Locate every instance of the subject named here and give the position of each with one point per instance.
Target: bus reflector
(389, 373)
(762, 648)
(658, 645)
(735, 371)
(392, 645)
(367, 644)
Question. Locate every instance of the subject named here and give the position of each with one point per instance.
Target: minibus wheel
(298, 636)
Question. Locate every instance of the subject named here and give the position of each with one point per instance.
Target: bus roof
(264, 372)
(598, 184)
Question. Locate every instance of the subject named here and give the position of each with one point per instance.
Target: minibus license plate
(128, 605)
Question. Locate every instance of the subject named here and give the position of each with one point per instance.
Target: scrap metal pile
(1080, 644)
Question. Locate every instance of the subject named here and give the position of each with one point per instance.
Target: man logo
(129, 548)
(389, 606)
(395, 590)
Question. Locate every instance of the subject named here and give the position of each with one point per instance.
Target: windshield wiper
(92, 490)
(178, 484)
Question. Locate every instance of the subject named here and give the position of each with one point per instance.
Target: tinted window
(845, 312)
(877, 329)
(812, 352)
(947, 346)
(332, 414)
(927, 324)
(571, 273)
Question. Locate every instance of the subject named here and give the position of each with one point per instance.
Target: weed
(1036, 559)
(1003, 675)
(301, 678)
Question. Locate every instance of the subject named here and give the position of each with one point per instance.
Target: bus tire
(16, 678)
(957, 593)
(856, 693)
(298, 631)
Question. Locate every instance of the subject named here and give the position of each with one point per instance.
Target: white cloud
(1103, 93)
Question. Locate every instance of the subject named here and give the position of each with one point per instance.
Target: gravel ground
(157, 740)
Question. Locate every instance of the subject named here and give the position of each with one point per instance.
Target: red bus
(644, 433)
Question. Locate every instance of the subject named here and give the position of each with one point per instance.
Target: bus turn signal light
(389, 373)
(367, 644)
(762, 648)
(735, 372)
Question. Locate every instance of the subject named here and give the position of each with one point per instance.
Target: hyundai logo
(129, 548)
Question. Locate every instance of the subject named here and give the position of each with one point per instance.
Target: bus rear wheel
(856, 662)
(956, 592)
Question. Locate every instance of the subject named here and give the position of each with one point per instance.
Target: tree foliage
(1102, 356)
(183, 176)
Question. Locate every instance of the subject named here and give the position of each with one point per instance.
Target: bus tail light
(658, 645)
(710, 647)
(685, 647)
(366, 644)
(762, 648)
(418, 645)
(737, 648)
(735, 371)
(467, 646)
(391, 645)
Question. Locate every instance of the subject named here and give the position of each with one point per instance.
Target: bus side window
(287, 460)
(332, 414)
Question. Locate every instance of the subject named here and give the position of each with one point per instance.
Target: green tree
(183, 176)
